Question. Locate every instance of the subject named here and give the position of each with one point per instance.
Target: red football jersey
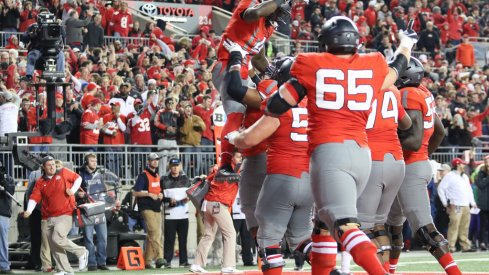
(121, 23)
(340, 94)
(382, 124)
(266, 88)
(422, 100)
(110, 122)
(140, 129)
(287, 147)
(250, 36)
(89, 136)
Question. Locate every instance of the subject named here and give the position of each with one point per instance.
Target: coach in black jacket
(174, 185)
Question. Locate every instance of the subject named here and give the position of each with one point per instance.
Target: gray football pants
(284, 208)
(221, 81)
(384, 182)
(339, 174)
(412, 201)
(253, 172)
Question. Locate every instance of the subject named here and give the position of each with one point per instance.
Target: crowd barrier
(127, 161)
(286, 46)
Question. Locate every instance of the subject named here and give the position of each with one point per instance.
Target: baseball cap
(444, 167)
(152, 81)
(58, 95)
(460, 94)
(174, 162)
(46, 159)
(125, 84)
(457, 161)
(76, 50)
(92, 86)
(153, 156)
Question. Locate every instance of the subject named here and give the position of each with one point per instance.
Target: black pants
(35, 228)
(247, 243)
(172, 227)
(483, 234)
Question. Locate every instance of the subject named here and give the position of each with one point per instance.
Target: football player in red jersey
(387, 168)
(253, 169)
(418, 143)
(285, 202)
(251, 25)
(340, 85)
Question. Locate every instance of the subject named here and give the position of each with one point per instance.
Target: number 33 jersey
(340, 93)
(420, 99)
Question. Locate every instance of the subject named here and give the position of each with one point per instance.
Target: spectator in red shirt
(471, 28)
(91, 124)
(139, 129)
(371, 14)
(27, 17)
(113, 135)
(474, 119)
(298, 8)
(121, 22)
(455, 22)
(205, 111)
(56, 189)
(465, 53)
(92, 88)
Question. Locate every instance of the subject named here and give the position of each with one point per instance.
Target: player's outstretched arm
(260, 61)
(263, 9)
(255, 134)
(437, 136)
(412, 138)
(402, 55)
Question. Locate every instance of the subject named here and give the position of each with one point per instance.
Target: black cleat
(304, 248)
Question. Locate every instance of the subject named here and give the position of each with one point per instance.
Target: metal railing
(126, 161)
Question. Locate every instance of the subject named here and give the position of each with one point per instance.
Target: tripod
(10, 195)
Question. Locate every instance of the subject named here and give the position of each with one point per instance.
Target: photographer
(34, 37)
(97, 250)
(6, 185)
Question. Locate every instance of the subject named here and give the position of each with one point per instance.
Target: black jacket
(94, 38)
(482, 183)
(8, 183)
(9, 20)
(168, 181)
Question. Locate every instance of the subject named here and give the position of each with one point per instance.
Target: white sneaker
(197, 269)
(83, 261)
(230, 270)
(63, 273)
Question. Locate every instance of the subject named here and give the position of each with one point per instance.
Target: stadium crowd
(162, 93)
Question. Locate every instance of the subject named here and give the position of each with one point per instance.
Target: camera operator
(96, 259)
(34, 38)
(9, 110)
(6, 185)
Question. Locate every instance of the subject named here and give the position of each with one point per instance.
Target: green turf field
(417, 261)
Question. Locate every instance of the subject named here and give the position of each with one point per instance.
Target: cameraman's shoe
(226, 174)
